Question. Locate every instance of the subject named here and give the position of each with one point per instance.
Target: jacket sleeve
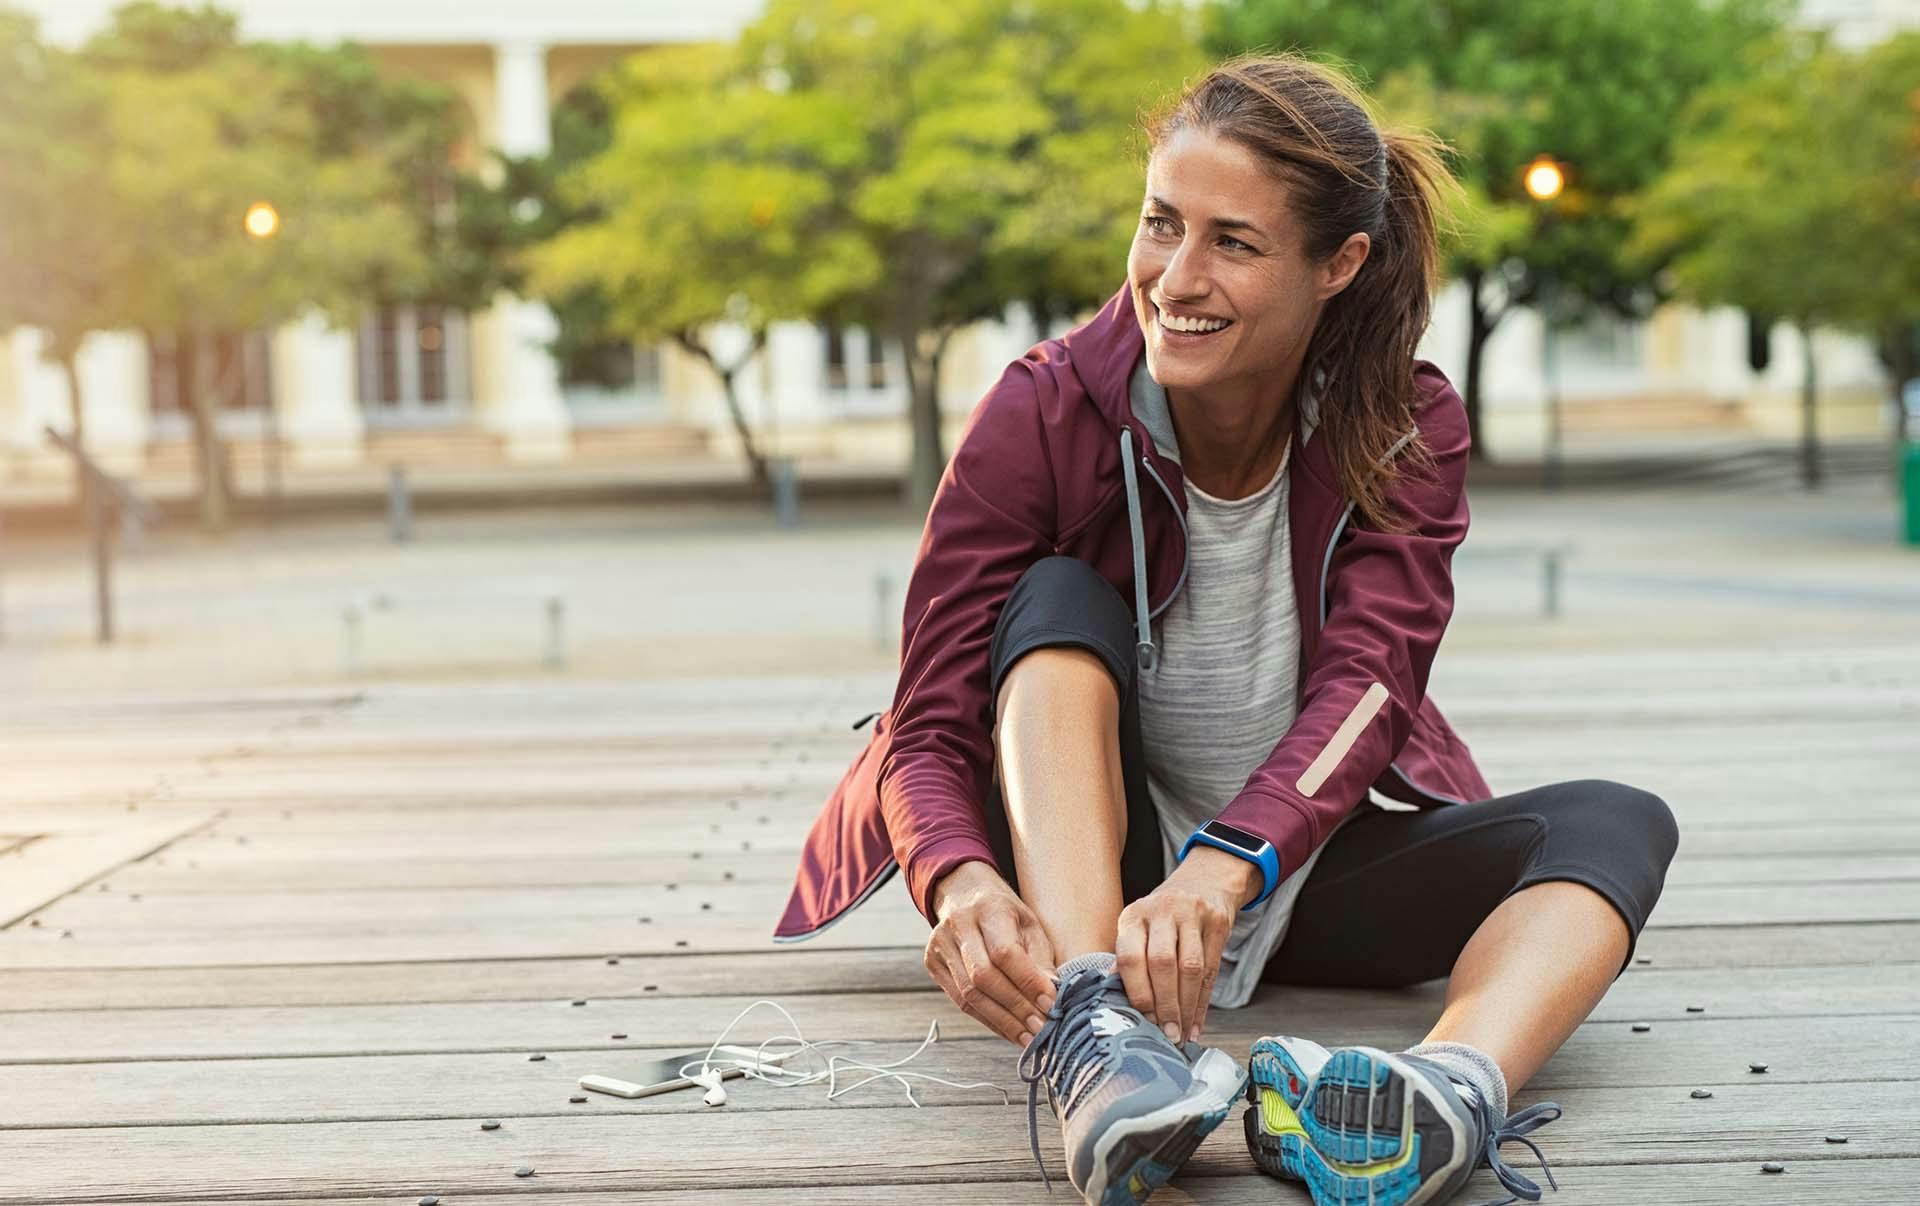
(990, 521)
(1389, 597)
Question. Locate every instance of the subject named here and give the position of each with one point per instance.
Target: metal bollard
(556, 627)
(399, 505)
(882, 588)
(786, 491)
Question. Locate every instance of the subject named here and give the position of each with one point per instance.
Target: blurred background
(419, 339)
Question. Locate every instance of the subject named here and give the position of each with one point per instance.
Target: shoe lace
(1067, 1043)
(1515, 1129)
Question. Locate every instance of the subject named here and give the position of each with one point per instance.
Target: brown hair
(1314, 127)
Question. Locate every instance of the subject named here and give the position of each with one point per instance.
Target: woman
(1171, 621)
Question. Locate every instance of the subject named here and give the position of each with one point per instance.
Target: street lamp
(262, 222)
(1545, 178)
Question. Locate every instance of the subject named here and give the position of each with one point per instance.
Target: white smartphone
(663, 1075)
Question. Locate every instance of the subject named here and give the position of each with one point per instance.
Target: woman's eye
(1157, 224)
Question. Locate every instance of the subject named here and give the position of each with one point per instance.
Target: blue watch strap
(1268, 860)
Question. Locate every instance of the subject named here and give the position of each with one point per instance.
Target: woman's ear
(1339, 269)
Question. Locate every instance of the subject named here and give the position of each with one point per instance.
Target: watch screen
(1240, 839)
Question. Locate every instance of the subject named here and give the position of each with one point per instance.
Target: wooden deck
(295, 946)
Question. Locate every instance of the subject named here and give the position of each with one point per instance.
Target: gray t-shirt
(1225, 687)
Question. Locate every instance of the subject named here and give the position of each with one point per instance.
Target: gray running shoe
(1368, 1128)
(1132, 1108)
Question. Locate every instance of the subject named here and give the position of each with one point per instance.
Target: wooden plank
(1779, 945)
(1777, 954)
(949, 1144)
(1811, 1183)
(1666, 1062)
(53, 1036)
(687, 908)
(58, 862)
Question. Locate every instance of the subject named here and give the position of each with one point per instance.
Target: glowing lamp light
(262, 220)
(1545, 179)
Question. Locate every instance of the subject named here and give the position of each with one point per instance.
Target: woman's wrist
(959, 878)
(1241, 879)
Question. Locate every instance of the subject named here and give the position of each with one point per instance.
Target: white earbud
(709, 1079)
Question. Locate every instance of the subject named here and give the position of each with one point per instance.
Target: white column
(113, 385)
(526, 407)
(315, 395)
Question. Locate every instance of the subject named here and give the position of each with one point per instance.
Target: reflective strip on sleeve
(1315, 776)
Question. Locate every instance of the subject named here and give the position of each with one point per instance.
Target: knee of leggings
(1641, 818)
(1096, 606)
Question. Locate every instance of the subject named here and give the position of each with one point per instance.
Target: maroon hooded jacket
(1052, 463)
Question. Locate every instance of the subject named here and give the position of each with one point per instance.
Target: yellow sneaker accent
(1276, 1116)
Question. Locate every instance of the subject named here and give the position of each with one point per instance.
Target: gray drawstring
(1143, 651)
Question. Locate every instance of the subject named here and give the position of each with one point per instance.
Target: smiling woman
(1170, 625)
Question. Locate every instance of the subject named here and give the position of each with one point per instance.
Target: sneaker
(1132, 1105)
(1368, 1127)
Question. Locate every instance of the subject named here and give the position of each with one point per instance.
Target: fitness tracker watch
(1238, 842)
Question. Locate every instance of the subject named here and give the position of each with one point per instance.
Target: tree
(909, 165)
(196, 143)
(1598, 84)
(63, 248)
(1793, 192)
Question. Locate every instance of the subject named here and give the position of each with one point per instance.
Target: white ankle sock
(1474, 1066)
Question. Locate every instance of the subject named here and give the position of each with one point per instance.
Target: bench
(549, 594)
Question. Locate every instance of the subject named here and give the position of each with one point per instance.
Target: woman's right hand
(989, 952)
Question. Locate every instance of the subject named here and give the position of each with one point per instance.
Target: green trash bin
(1910, 483)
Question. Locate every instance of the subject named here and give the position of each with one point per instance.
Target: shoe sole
(1367, 1131)
(1138, 1155)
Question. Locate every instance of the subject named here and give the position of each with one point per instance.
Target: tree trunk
(1809, 433)
(69, 364)
(756, 459)
(1903, 365)
(210, 458)
(1479, 328)
(928, 459)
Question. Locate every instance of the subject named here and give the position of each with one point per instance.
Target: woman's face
(1218, 254)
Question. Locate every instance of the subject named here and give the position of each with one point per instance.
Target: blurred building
(474, 389)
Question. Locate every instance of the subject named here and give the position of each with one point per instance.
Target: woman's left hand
(1169, 942)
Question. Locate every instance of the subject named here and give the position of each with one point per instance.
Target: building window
(856, 359)
(241, 372)
(412, 360)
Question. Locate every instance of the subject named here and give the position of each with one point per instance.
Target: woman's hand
(989, 952)
(1169, 944)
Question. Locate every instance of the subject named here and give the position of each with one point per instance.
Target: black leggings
(1395, 895)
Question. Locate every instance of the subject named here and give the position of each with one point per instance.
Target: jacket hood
(1102, 352)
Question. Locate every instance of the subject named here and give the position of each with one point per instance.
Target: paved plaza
(276, 928)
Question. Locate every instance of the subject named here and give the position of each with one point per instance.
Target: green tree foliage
(910, 165)
(1597, 84)
(127, 170)
(1795, 192)
(64, 248)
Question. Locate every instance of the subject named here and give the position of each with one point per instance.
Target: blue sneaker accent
(1368, 1128)
(1132, 1108)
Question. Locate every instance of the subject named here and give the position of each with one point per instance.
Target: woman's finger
(1163, 971)
(1004, 946)
(984, 971)
(1130, 957)
(1215, 937)
(1193, 970)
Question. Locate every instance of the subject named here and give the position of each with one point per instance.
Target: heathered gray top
(1224, 690)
